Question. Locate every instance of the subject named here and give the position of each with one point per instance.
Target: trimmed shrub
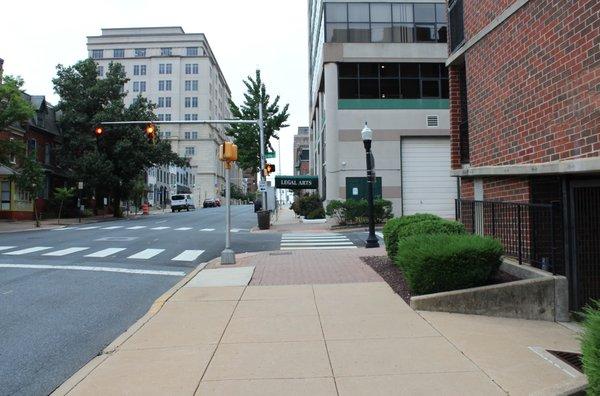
(307, 204)
(438, 226)
(316, 214)
(443, 262)
(590, 347)
(392, 227)
(356, 211)
(383, 210)
(337, 210)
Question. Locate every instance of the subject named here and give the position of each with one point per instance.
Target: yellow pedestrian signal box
(228, 152)
(269, 168)
(150, 130)
(98, 130)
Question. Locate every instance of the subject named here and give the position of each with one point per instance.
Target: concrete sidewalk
(331, 326)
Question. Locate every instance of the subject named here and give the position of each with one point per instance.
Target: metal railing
(457, 30)
(530, 233)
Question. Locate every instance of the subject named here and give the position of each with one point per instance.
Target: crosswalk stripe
(188, 255)
(207, 229)
(306, 237)
(315, 240)
(146, 254)
(379, 234)
(183, 228)
(7, 247)
(112, 227)
(94, 269)
(105, 252)
(88, 228)
(28, 250)
(318, 247)
(317, 244)
(135, 228)
(159, 228)
(64, 252)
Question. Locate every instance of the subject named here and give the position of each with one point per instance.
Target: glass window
(142, 70)
(118, 53)
(348, 70)
(425, 33)
(139, 52)
(187, 117)
(194, 135)
(381, 12)
(336, 12)
(431, 88)
(169, 68)
(403, 33)
(168, 85)
(100, 71)
(381, 32)
(136, 70)
(388, 70)
(441, 13)
(368, 70)
(191, 51)
(166, 51)
(442, 33)
(358, 33)
(168, 101)
(402, 12)
(142, 86)
(337, 33)
(161, 68)
(389, 88)
(445, 90)
(161, 102)
(161, 85)
(409, 70)
(136, 86)
(187, 135)
(97, 54)
(348, 88)
(190, 151)
(430, 70)
(358, 12)
(425, 12)
(409, 89)
(167, 117)
(369, 88)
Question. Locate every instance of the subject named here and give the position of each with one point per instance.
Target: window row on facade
(392, 81)
(143, 52)
(385, 22)
(163, 68)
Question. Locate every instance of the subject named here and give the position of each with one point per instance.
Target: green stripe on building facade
(388, 104)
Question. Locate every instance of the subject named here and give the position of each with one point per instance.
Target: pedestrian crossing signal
(98, 130)
(269, 168)
(228, 152)
(150, 130)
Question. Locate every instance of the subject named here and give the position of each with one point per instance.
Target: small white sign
(262, 186)
(80, 185)
(355, 191)
(105, 201)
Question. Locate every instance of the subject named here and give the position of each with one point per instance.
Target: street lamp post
(367, 137)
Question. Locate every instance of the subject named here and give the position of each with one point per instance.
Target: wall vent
(433, 121)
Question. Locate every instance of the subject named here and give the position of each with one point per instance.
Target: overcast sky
(271, 35)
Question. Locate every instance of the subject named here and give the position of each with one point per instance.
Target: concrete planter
(538, 296)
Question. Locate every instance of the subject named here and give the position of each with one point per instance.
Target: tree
(30, 179)
(113, 162)
(236, 192)
(13, 109)
(62, 194)
(246, 136)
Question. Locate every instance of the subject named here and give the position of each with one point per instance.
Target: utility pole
(261, 126)
(228, 154)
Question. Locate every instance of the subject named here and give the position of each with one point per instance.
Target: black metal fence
(530, 233)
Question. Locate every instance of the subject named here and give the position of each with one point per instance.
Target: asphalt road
(53, 320)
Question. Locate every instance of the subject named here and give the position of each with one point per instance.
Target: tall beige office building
(179, 73)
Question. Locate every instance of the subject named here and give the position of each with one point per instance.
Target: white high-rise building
(179, 73)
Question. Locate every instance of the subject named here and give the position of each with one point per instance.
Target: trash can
(264, 219)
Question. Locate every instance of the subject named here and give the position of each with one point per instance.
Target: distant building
(381, 63)
(180, 74)
(301, 152)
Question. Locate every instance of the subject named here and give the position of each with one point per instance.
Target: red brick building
(525, 122)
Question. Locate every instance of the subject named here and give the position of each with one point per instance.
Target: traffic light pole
(261, 127)
(227, 255)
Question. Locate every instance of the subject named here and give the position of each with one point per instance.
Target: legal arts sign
(297, 182)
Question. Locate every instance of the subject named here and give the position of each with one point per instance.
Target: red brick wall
(533, 83)
(454, 117)
(509, 189)
(467, 189)
(479, 13)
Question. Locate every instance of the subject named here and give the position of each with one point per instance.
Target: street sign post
(271, 154)
(262, 185)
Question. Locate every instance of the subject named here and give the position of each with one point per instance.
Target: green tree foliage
(113, 162)
(246, 136)
(590, 347)
(30, 179)
(61, 194)
(13, 109)
(236, 192)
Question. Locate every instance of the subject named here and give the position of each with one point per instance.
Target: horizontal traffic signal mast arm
(180, 122)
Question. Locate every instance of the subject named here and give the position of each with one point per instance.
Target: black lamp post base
(372, 242)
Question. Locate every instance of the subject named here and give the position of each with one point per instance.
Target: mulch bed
(394, 277)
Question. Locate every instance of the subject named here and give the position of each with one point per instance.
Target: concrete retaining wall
(541, 296)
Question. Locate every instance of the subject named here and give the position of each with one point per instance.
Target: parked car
(217, 202)
(181, 202)
(209, 203)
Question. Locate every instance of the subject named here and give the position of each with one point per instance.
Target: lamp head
(367, 133)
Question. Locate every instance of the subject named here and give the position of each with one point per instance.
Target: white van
(180, 202)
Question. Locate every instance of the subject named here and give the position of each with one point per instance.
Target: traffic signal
(150, 130)
(228, 152)
(269, 168)
(98, 130)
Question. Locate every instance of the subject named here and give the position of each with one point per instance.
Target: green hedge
(438, 226)
(590, 347)
(442, 262)
(392, 227)
(308, 205)
(356, 211)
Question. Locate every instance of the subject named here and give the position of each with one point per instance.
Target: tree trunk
(117, 209)
(60, 210)
(35, 212)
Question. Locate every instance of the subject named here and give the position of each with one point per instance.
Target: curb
(156, 306)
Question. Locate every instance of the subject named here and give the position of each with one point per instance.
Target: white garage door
(427, 186)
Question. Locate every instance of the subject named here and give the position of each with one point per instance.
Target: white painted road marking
(112, 227)
(207, 229)
(317, 247)
(159, 228)
(29, 250)
(64, 252)
(88, 228)
(188, 255)
(95, 269)
(379, 234)
(162, 221)
(316, 243)
(306, 241)
(7, 247)
(146, 254)
(135, 228)
(105, 252)
(183, 229)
